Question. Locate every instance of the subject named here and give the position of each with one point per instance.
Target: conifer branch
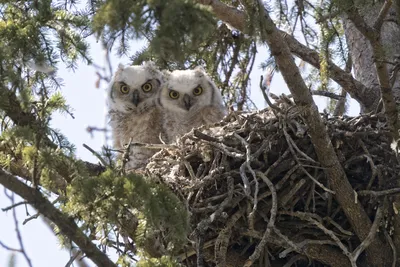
(338, 181)
(237, 19)
(12, 107)
(66, 224)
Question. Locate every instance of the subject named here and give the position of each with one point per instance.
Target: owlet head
(189, 91)
(135, 88)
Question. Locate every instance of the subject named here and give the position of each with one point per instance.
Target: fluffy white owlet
(134, 112)
(190, 99)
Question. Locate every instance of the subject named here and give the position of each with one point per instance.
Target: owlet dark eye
(198, 90)
(124, 89)
(147, 87)
(173, 94)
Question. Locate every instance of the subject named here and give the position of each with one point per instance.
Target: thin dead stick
(378, 193)
(271, 223)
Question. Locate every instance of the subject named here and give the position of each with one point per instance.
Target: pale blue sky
(88, 105)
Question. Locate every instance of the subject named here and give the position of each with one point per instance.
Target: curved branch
(373, 36)
(338, 181)
(237, 19)
(66, 224)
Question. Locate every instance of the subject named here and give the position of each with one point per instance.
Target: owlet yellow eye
(173, 94)
(124, 89)
(198, 90)
(147, 87)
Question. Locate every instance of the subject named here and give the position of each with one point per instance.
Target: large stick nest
(257, 193)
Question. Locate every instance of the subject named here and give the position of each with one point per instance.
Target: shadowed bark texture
(362, 52)
(259, 194)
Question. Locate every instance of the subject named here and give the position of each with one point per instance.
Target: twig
(299, 246)
(271, 223)
(96, 154)
(295, 259)
(373, 36)
(394, 250)
(323, 93)
(393, 75)
(285, 199)
(382, 15)
(153, 146)
(293, 144)
(299, 163)
(237, 18)
(247, 188)
(125, 155)
(31, 218)
(66, 225)
(192, 252)
(226, 150)
(14, 205)
(8, 248)
(73, 258)
(245, 180)
(331, 221)
(222, 241)
(189, 169)
(367, 241)
(21, 244)
(371, 163)
(263, 90)
(308, 217)
(379, 193)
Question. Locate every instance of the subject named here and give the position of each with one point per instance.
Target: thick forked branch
(237, 19)
(319, 136)
(340, 76)
(373, 36)
(66, 225)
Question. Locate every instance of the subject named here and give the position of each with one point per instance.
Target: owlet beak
(187, 101)
(135, 98)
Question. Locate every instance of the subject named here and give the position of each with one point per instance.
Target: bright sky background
(88, 104)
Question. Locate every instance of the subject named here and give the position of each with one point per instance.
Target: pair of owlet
(147, 105)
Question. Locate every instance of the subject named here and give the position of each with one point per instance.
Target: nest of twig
(257, 193)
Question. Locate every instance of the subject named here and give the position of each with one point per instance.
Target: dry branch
(373, 36)
(320, 140)
(66, 224)
(239, 228)
(237, 19)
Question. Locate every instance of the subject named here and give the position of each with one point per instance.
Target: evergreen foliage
(106, 203)
(102, 202)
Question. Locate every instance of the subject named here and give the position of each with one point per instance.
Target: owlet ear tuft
(121, 66)
(118, 72)
(151, 67)
(149, 63)
(166, 74)
(199, 71)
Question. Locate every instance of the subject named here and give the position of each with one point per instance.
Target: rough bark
(322, 144)
(373, 35)
(362, 51)
(354, 87)
(280, 48)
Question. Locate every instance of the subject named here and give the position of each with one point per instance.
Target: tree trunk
(361, 50)
(363, 61)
